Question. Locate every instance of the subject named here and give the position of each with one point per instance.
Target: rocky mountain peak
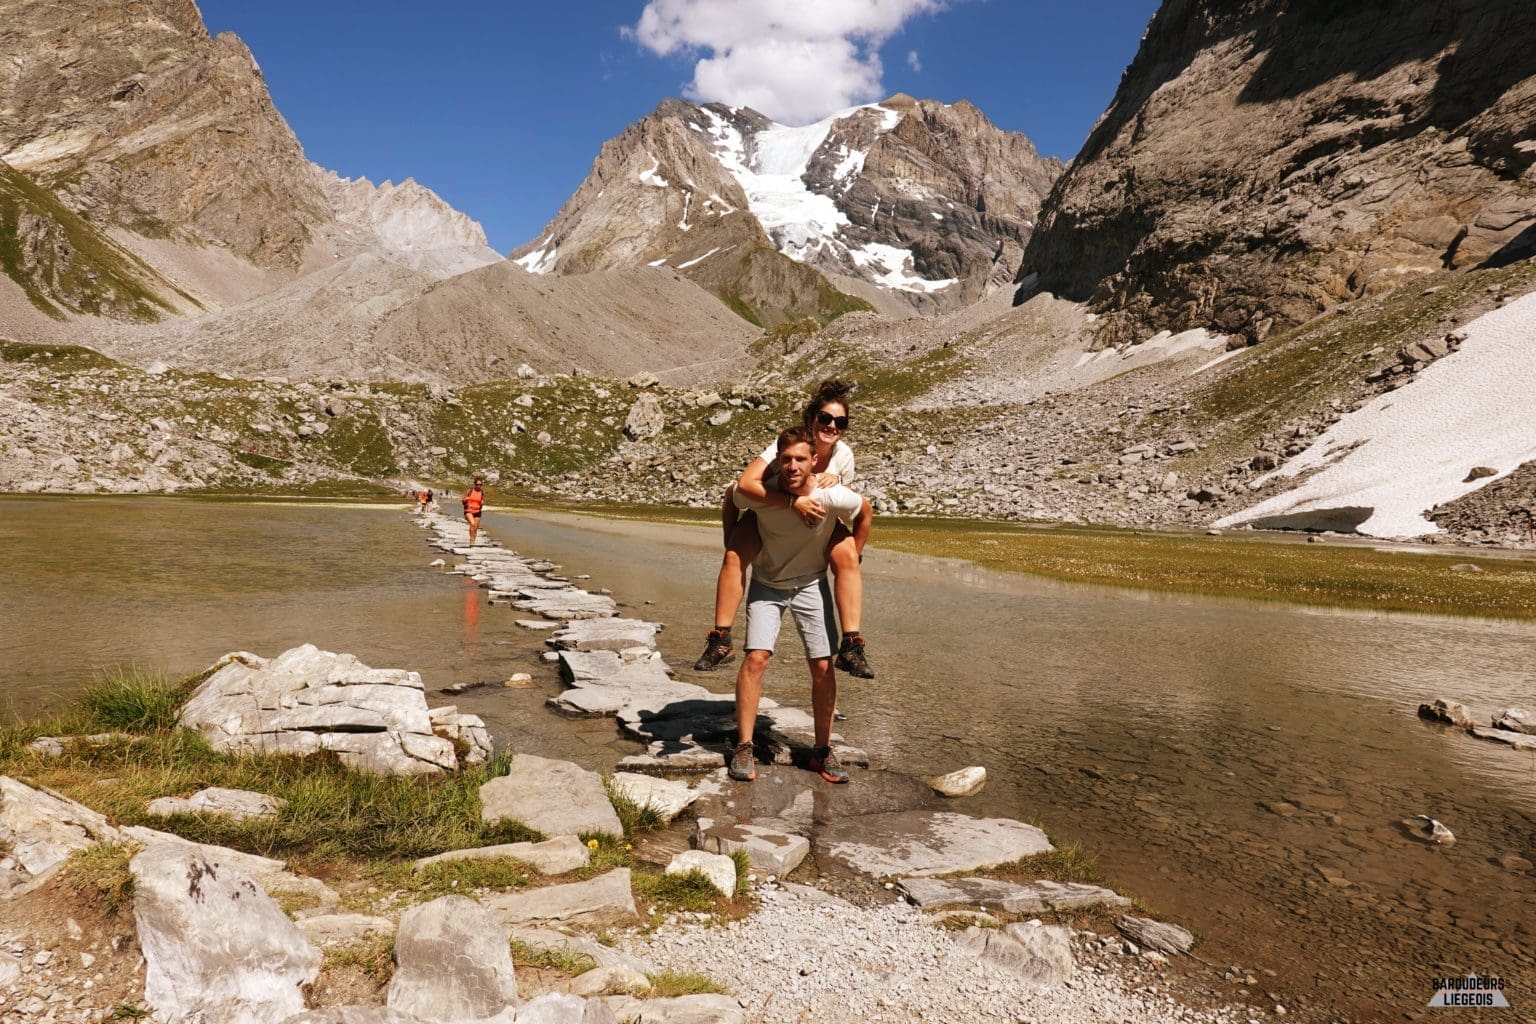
(408, 216)
(908, 203)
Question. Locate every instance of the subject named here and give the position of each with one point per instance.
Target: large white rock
(605, 635)
(272, 875)
(42, 829)
(772, 850)
(1039, 897)
(965, 782)
(561, 1008)
(306, 699)
(453, 962)
(216, 947)
(718, 868)
(1158, 935)
(557, 798)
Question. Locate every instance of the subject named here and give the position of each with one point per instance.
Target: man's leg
(749, 691)
(765, 611)
(813, 618)
(823, 697)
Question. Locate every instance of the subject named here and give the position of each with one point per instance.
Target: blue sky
(501, 107)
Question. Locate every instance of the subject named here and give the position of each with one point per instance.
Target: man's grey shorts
(811, 606)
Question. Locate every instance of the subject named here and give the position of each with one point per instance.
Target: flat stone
(608, 668)
(1519, 741)
(604, 900)
(605, 635)
(557, 798)
(965, 782)
(53, 746)
(928, 842)
(667, 798)
(601, 700)
(215, 945)
(551, 857)
(719, 869)
(238, 804)
(343, 929)
(770, 850)
(1039, 955)
(663, 757)
(1040, 897)
(700, 1009)
(453, 961)
(569, 604)
(1158, 935)
(539, 624)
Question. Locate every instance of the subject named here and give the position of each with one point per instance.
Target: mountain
(907, 205)
(1262, 162)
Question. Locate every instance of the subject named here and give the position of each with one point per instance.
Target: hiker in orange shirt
(473, 501)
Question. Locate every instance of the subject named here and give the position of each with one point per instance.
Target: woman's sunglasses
(826, 419)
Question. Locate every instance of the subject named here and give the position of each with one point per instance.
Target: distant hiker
(825, 421)
(422, 497)
(789, 574)
(473, 502)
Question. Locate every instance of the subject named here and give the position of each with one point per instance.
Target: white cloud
(913, 62)
(794, 60)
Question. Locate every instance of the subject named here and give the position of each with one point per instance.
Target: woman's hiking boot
(850, 657)
(743, 767)
(824, 762)
(717, 651)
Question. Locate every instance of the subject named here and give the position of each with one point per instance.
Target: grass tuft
(743, 870)
(374, 955)
(563, 960)
(130, 699)
(99, 874)
(689, 891)
(635, 817)
(670, 984)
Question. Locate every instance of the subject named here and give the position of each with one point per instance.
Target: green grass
(1064, 863)
(129, 1011)
(671, 984)
(131, 699)
(634, 817)
(447, 878)
(78, 268)
(333, 814)
(374, 955)
(564, 961)
(689, 891)
(99, 874)
(58, 358)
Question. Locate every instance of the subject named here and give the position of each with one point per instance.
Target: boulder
(922, 842)
(1519, 741)
(1039, 955)
(216, 947)
(965, 782)
(560, 1008)
(551, 857)
(1158, 935)
(609, 981)
(272, 875)
(1442, 710)
(238, 804)
(557, 798)
(453, 961)
(604, 900)
(306, 700)
(719, 869)
(41, 829)
(645, 419)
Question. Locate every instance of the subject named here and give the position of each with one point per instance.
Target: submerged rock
(1450, 711)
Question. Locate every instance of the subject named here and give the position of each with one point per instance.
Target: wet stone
(1039, 897)
(928, 842)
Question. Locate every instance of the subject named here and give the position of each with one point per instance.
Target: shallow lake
(1242, 767)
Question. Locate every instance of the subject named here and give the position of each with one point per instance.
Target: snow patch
(893, 270)
(1411, 449)
(539, 261)
(657, 263)
(649, 175)
(698, 259)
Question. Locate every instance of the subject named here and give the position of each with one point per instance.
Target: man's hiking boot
(743, 768)
(717, 651)
(850, 658)
(824, 762)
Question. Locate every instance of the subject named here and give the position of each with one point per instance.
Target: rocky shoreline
(215, 940)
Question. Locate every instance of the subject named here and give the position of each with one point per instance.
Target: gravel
(815, 957)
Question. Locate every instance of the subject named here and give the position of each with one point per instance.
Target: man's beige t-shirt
(794, 554)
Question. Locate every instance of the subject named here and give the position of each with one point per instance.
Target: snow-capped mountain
(906, 203)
